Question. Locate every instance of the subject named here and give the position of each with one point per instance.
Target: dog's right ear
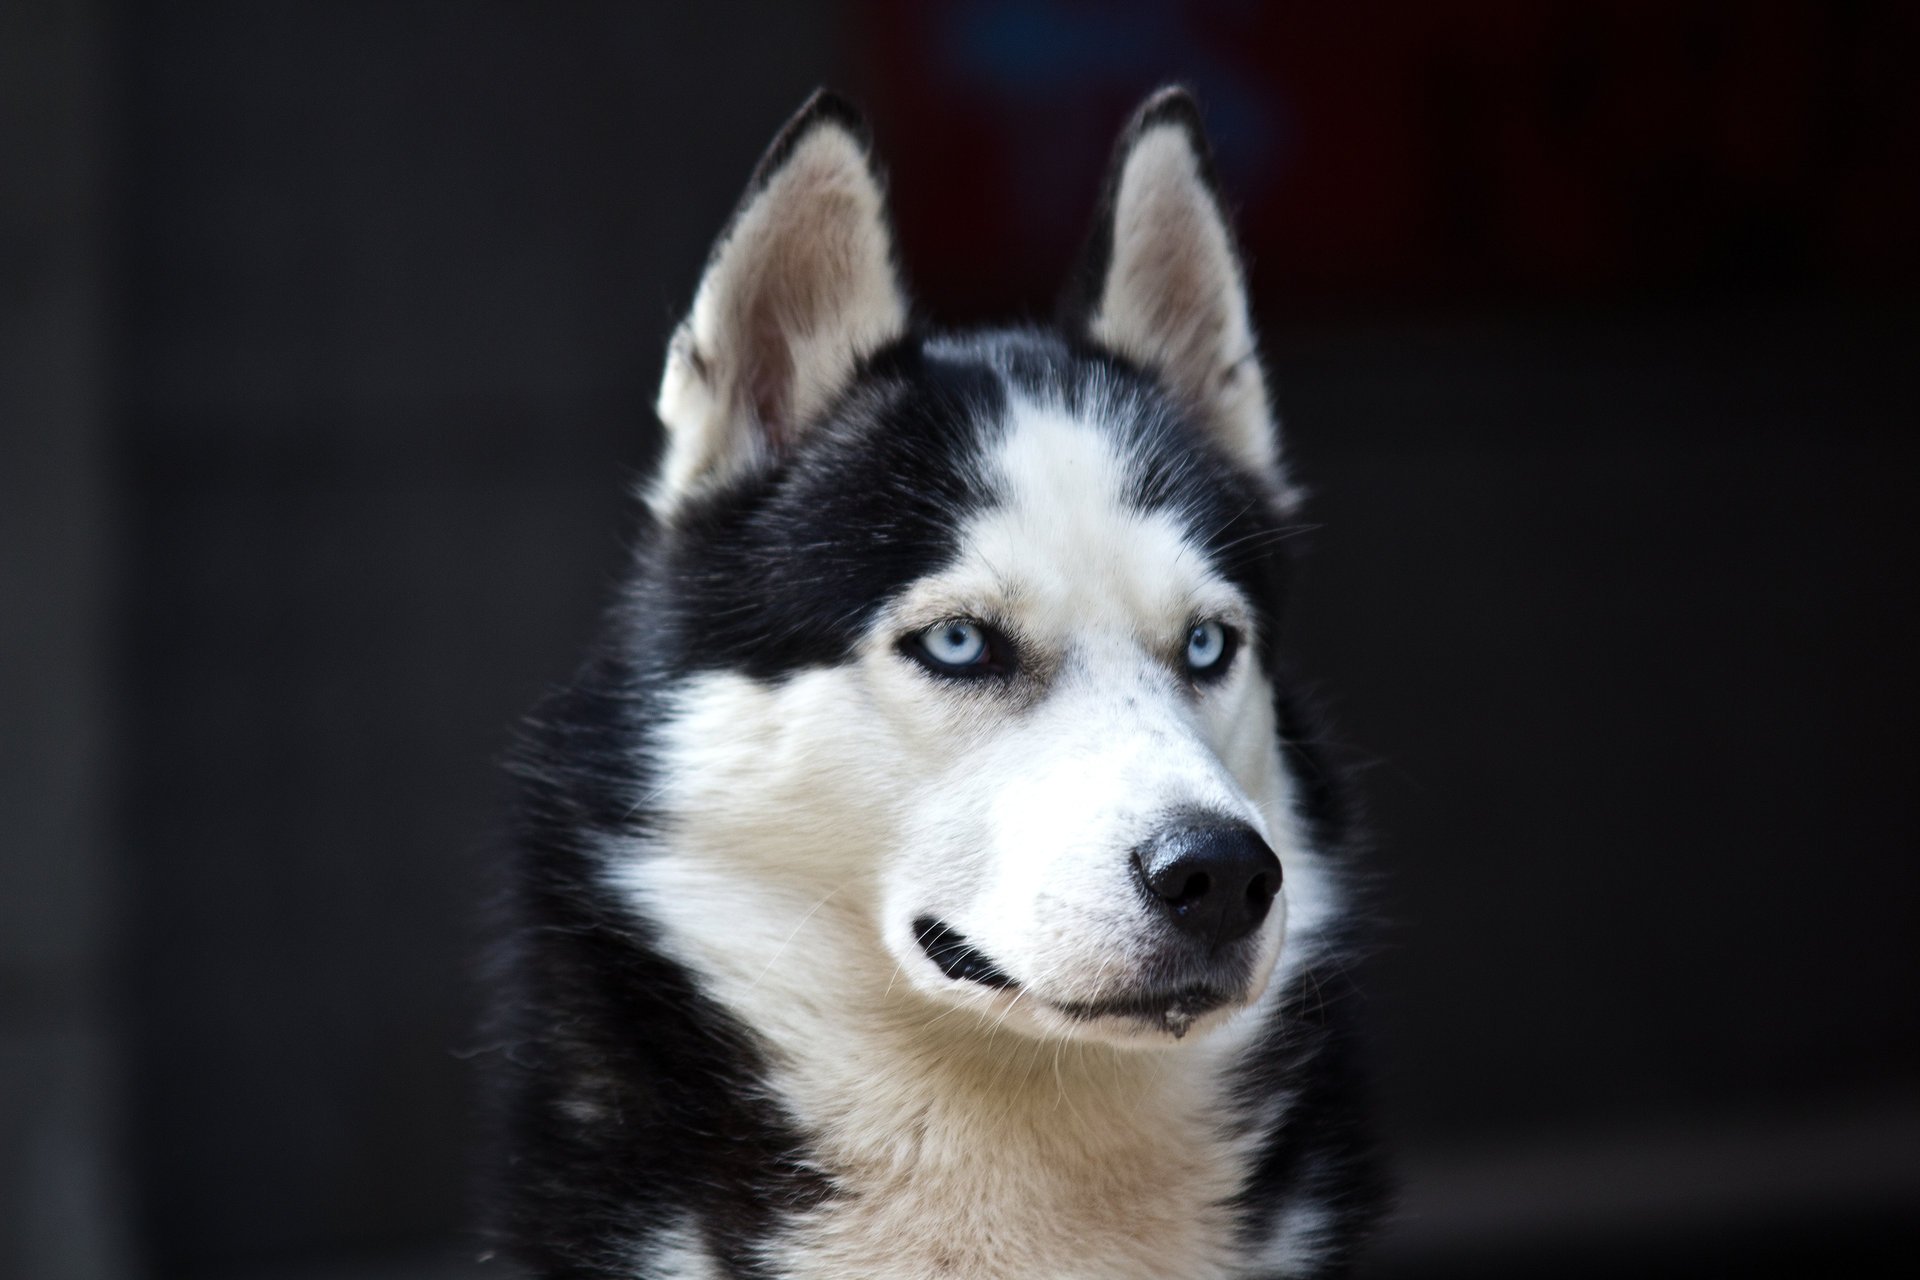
(800, 286)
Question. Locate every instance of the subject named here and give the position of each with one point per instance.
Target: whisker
(782, 948)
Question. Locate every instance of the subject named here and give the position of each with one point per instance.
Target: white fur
(972, 1131)
(676, 1253)
(1299, 1241)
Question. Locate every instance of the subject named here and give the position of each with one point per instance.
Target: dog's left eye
(959, 647)
(1209, 648)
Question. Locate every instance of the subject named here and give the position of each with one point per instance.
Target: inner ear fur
(800, 286)
(1161, 283)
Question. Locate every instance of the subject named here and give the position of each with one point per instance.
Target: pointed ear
(800, 286)
(1161, 284)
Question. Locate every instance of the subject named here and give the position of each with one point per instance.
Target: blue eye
(956, 645)
(1209, 646)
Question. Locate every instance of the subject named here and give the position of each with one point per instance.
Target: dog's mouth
(954, 956)
(1171, 1009)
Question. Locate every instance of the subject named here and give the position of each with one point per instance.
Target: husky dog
(931, 874)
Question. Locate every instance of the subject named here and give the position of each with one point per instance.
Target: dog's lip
(1173, 1009)
(1197, 998)
(956, 957)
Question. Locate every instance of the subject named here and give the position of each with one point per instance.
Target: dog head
(969, 639)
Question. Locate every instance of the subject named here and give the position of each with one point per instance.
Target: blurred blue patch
(1048, 54)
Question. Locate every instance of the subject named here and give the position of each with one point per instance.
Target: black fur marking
(1323, 1156)
(1312, 1053)
(1322, 796)
(957, 958)
(784, 568)
(630, 1102)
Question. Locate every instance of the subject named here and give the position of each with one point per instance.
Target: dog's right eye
(960, 647)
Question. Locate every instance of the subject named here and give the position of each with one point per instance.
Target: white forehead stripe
(1067, 537)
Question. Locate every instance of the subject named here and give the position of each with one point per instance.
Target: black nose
(1216, 880)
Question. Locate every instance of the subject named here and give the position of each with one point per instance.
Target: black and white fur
(830, 961)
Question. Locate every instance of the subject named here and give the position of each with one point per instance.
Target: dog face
(1088, 739)
(970, 637)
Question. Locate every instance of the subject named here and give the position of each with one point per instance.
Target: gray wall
(395, 281)
(61, 1214)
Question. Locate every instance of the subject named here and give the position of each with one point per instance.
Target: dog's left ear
(800, 286)
(1161, 283)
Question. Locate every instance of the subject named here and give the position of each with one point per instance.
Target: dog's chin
(1146, 1015)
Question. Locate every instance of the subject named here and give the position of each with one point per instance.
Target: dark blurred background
(328, 336)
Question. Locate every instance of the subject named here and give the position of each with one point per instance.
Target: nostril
(1216, 880)
(1261, 892)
